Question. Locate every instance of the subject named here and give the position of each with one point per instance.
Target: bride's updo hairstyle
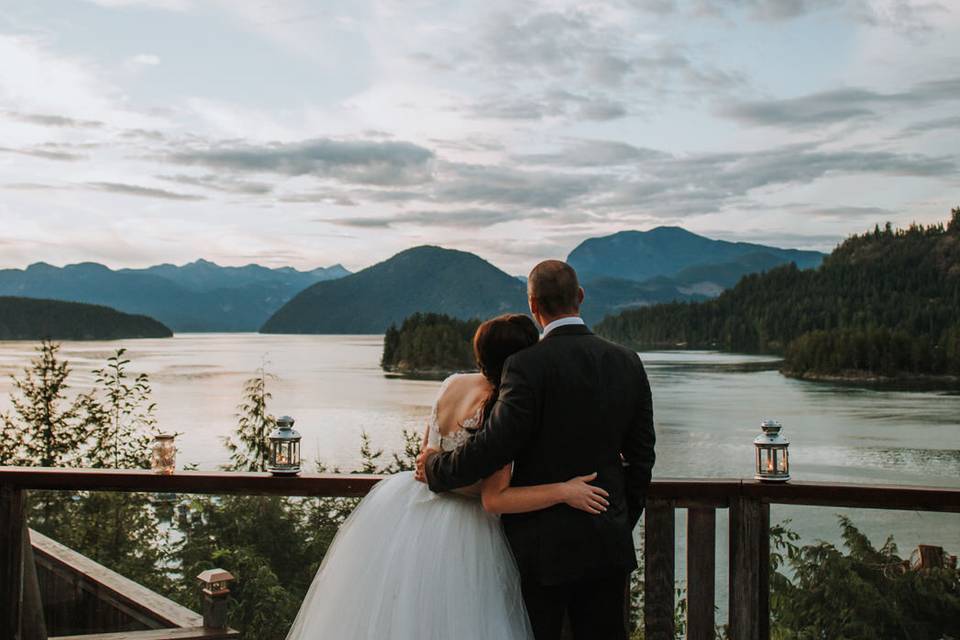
(498, 339)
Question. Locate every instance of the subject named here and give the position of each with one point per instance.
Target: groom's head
(553, 291)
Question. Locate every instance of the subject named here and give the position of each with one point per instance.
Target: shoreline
(905, 382)
(422, 374)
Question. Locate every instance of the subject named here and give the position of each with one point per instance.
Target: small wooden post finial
(215, 594)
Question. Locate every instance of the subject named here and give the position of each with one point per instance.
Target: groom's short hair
(554, 285)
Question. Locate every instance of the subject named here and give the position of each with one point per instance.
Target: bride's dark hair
(496, 340)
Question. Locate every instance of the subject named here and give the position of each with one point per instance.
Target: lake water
(706, 415)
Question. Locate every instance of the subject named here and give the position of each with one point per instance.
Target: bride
(409, 564)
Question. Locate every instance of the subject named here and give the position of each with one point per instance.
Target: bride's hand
(579, 494)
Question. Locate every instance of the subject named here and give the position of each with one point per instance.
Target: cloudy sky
(310, 132)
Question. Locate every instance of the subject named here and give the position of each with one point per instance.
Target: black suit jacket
(568, 406)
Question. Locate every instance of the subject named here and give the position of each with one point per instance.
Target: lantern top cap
(215, 575)
(771, 434)
(285, 430)
(771, 426)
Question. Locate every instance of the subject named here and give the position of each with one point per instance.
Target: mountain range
(199, 296)
(622, 271)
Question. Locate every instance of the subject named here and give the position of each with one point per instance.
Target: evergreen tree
(818, 591)
(124, 420)
(46, 428)
(250, 445)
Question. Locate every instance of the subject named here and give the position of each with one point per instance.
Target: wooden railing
(748, 503)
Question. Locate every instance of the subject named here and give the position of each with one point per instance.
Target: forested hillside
(33, 319)
(884, 303)
(420, 280)
(430, 342)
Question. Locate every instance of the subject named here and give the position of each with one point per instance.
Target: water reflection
(708, 409)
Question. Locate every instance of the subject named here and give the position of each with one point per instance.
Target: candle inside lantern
(164, 454)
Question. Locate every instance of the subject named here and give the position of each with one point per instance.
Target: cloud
(456, 218)
(911, 17)
(45, 153)
(223, 184)
(770, 10)
(39, 85)
(30, 186)
(706, 183)
(49, 120)
(870, 213)
(551, 104)
(839, 105)
(358, 162)
(938, 124)
(135, 190)
(319, 198)
(166, 5)
(141, 61)
(493, 184)
(593, 153)
(576, 64)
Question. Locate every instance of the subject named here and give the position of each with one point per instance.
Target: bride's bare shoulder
(463, 389)
(465, 380)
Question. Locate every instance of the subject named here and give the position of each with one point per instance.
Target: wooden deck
(748, 502)
(73, 577)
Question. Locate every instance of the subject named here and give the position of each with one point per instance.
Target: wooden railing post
(749, 569)
(659, 580)
(11, 560)
(701, 569)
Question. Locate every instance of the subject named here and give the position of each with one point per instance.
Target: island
(883, 307)
(39, 319)
(429, 345)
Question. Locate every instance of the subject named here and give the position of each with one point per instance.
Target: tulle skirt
(412, 565)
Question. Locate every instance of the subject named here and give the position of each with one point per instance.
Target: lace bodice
(464, 432)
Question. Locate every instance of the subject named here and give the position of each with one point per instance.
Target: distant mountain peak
(426, 278)
(202, 262)
(41, 266)
(667, 251)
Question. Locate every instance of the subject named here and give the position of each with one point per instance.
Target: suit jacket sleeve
(638, 449)
(512, 424)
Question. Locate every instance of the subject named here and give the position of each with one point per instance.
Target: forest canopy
(884, 303)
(430, 342)
(37, 319)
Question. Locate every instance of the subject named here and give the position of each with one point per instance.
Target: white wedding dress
(409, 564)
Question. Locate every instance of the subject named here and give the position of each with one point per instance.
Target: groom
(568, 406)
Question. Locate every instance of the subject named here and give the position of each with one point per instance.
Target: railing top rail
(682, 491)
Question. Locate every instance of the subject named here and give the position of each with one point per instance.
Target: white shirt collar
(562, 322)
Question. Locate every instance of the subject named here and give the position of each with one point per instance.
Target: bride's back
(460, 401)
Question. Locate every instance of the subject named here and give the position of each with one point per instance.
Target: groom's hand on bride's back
(421, 472)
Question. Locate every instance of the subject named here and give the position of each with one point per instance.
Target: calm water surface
(707, 416)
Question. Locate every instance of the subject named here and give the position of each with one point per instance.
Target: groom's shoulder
(622, 352)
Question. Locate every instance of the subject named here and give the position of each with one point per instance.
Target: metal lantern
(284, 449)
(215, 594)
(163, 458)
(773, 460)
